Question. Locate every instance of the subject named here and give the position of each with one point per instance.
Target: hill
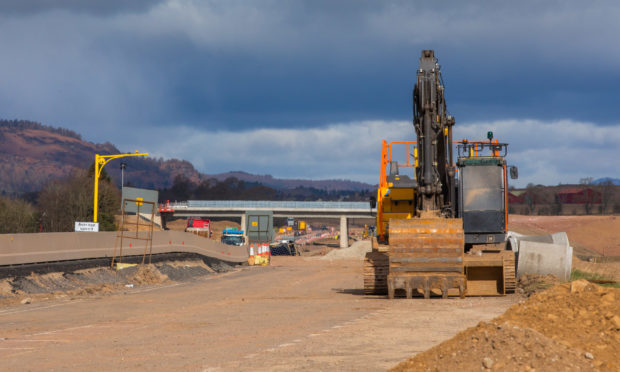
(32, 154)
(288, 183)
(606, 180)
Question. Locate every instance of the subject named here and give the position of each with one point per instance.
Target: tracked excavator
(441, 219)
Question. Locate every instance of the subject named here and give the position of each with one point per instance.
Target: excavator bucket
(425, 255)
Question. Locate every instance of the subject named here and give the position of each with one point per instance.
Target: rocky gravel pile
(570, 327)
(101, 280)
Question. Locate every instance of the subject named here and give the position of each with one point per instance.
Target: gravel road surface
(299, 313)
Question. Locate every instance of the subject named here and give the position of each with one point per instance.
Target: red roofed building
(577, 195)
(516, 196)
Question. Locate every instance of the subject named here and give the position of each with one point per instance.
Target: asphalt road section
(299, 313)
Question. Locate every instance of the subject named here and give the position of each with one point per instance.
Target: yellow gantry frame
(100, 162)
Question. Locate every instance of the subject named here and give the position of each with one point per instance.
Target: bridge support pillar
(244, 228)
(344, 232)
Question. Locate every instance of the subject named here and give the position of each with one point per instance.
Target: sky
(308, 89)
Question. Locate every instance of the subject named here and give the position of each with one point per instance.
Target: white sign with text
(87, 226)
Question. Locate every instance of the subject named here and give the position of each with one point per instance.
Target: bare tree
(64, 202)
(608, 196)
(17, 216)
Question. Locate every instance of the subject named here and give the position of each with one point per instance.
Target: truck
(232, 236)
(202, 226)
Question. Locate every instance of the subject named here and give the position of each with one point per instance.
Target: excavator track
(490, 273)
(426, 254)
(510, 277)
(376, 270)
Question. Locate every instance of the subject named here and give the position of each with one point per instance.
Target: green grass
(578, 274)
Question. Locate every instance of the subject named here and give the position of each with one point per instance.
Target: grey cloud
(93, 7)
(113, 70)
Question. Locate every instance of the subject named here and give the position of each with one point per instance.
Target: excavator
(442, 217)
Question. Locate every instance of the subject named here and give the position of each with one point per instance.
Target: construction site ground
(310, 313)
(299, 313)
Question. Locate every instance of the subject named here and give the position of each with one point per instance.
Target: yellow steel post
(100, 162)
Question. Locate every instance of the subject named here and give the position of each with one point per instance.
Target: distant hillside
(601, 181)
(32, 154)
(285, 184)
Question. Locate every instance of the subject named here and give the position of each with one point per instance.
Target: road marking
(61, 330)
(155, 288)
(17, 311)
(16, 340)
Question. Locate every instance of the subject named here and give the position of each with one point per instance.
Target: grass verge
(599, 279)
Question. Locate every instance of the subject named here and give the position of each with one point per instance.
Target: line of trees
(60, 204)
(545, 200)
(235, 189)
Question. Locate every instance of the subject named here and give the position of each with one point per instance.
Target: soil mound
(580, 314)
(147, 274)
(356, 250)
(498, 347)
(530, 284)
(572, 327)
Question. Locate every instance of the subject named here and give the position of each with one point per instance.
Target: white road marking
(15, 340)
(61, 330)
(17, 311)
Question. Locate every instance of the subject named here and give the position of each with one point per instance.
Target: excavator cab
(482, 191)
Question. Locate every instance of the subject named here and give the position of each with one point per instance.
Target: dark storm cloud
(118, 69)
(96, 7)
(239, 64)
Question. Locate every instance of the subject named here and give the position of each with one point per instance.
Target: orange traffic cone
(263, 258)
(257, 258)
(251, 258)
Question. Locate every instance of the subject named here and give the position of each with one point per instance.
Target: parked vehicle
(232, 236)
(199, 225)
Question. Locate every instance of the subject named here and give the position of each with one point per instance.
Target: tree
(64, 202)
(608, 199)
(17, 216)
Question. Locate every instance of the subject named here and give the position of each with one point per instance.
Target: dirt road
(589, 235)
(299, 313)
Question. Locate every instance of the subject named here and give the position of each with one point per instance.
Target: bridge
(296, 209)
